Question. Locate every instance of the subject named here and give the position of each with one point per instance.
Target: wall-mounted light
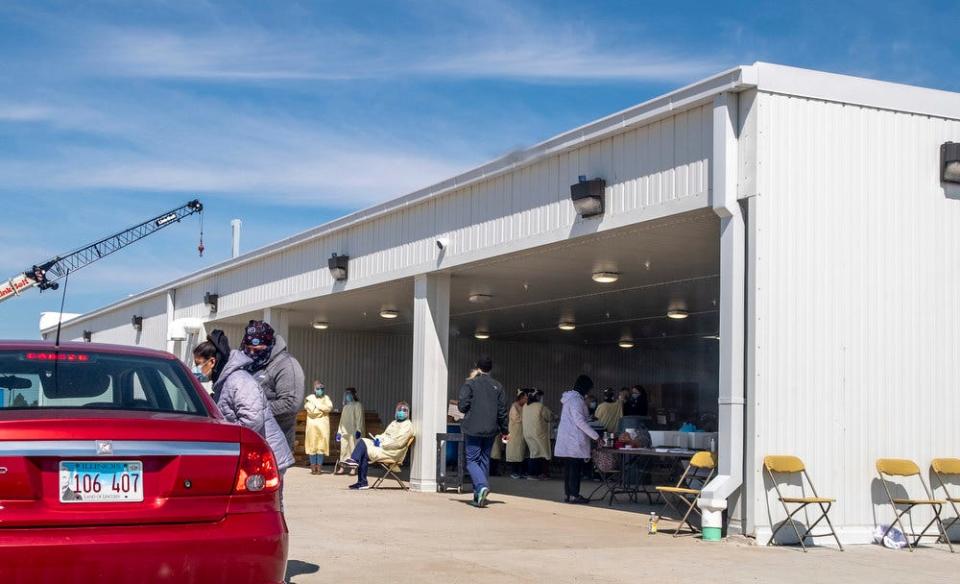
(587, 196)
(711, 337)
(605, 277)
(320, 325)
(389, 313)
(211, 300)
(338, 266)
(677, 314)
(479, 298)
(481, 335)
(567, 325)
(950, 162)
(137, 322)
(87, 336)
(625, 344)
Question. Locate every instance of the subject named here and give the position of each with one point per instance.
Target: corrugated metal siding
(116, 327)
(857, 285)
(380, 365)
(645, 167)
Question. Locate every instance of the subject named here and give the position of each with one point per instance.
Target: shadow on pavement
(297, 568)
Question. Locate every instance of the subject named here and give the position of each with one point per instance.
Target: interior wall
(380, 366)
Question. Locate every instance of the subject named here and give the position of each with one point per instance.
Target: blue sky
(287, 115)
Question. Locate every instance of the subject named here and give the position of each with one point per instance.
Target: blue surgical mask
(401, 415)
(347, 399)
(199, 374)
(318, 391)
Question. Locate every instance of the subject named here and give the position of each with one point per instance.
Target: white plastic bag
(893, 540)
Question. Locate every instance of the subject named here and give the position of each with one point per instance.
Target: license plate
(101, 482)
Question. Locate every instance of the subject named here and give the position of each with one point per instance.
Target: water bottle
(654, 520)
(713, 444)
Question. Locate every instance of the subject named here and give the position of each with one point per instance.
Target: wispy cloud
(514, 44)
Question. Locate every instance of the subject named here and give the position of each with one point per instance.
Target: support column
(729, 480)
(431, 336)
(171, 307)
(279, 319)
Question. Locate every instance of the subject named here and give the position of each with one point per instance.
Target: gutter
(713, 500)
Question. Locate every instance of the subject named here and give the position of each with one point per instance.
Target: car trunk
(189, 465)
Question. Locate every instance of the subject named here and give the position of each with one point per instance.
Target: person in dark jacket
(484, 405)
(278, 373)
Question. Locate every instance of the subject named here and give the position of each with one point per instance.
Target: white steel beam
(431, 326)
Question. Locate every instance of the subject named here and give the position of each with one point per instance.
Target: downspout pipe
(715, 495)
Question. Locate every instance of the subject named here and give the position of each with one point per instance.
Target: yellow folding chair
(391, 468)
(785, 467)
(898, 467)
(949, 467)
(688, 488)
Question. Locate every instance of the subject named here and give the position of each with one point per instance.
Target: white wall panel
(857, 316)
(116, 327)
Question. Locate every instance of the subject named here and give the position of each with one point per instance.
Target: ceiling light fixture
(321, 325)
(481, 335)
(625, 344)
(388, 313)
(711, 337)
(678, 314)
(479, 298)
(605, 277)
(567, 325)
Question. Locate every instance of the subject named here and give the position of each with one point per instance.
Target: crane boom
(45, 274)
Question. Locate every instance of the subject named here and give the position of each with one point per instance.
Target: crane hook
(201, 247)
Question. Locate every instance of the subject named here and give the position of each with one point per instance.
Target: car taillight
(258, 468)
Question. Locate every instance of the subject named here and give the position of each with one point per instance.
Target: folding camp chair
(785, 466)
(947, 467)
(897, 467)
(392, 467)
(688, 488)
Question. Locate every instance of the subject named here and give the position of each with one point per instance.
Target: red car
(115, 466)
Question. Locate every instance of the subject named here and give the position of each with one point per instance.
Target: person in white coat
(574, 436)
(537, 419)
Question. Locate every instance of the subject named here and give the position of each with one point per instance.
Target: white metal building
(800, 215)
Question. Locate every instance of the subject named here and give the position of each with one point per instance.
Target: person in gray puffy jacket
(278, 373)
(238, 396)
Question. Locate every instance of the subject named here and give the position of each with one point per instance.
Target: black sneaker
(358, 486)
(482, 496)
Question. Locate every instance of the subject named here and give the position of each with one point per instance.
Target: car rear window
(78, 379)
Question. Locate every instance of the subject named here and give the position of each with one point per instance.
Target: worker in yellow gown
(610, 411)
(517, 448)
(391, 446)
(537, 419)
(352, 427)
(317, 442)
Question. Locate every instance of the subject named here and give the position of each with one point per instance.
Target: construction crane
(45, 274)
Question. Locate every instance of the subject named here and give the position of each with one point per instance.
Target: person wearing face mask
(574, 437)
(238, 396)
(352, 427)
(388, 446)
(610, 411)
(317, 439)
(483, 404)
(278, 373)
(537, 419)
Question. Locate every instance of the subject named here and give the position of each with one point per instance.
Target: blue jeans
(360, 455)
(316, 459)
(478, 460)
